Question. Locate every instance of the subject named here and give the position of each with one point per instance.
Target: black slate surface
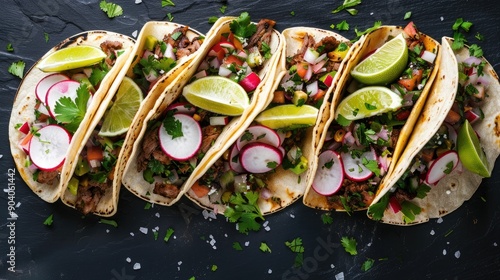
(462, 245)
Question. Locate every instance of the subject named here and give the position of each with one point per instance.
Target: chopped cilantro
(407, 15)
(70, 112)
(458, 40)
(147, 206)
(173, 126)
(370, 106)
(343, 121)
(342, 47)
(176, 35)
(343, 26)
(237, 246)
(168, 234)
(49, 220)
(247, 136)
(108, 222)
(242, 26)
(17, 68)
(372, 165)
(292, 13)
(9, 47)
(479, 36)
(409, 211)
(264, 248)
(376, 211)
(328, 165)
(296, 246)
(376, 25)
(449, 167)
(46, 36)
(170, 17)
(349, 245)
(346, 6)
(266, 50)
(327, 218)
(223, 9)
(112, 10)
(97, 75)
(244, 210)
(214, 267)
(155, 234)
(192, 278)
(475, 50)
(212, 19)
(367, 265)
(165, 3)
(272, 164)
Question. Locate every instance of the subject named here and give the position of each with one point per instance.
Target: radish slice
(258, 133)
(442, 166)
(48, 149)
(260, 157)
(182, 107)
(25, 128)
(354, 168)
(61, 89)
(250, 82)
(219, 120)
(45, 83)
(330, 173)
(234, 160)
(183, 147)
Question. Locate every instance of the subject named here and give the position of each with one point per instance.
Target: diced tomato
(233, 59)
(217, 51)
(410, 29)
(94, 153)
(302, 69)
(394, 203)
(321, 93)
(411, 83)
(237, 44)
(403, 115)
(199, 190)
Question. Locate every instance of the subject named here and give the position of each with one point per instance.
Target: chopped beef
(109, 48)
(47, 177)
(160, 156)
(210, 134)
(166, 190)
(263, 34)
(307, 42)
(182, 44)
(89, 195)
(328, 44)
(149, 145)
(394, 137)
(401, 195)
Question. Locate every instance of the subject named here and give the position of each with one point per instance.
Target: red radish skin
(260, 133)
(354, 168)
(48, 149)
(328, 179)
(438, 168)
(250, 82)
(260, 157)
(58, 90)
(47, 82)
(183, 147)
(182, 107)
(25, 128)
(219, 120)
(234, 160)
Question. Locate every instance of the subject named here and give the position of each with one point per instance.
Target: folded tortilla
(283, 187)
(458, 186)
(363, 47)
(108, 203)
(132, 179)
(25, 102)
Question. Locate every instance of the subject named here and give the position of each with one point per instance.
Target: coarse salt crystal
(179, 262)
(107, 230)
(495, 244)
(339, 276)
(444, 252)
(137, 266)
(1, 156)
(128, 260)
(132, 234)
(225, 234)
(292, 216)
(157, 215)
(247, 243)
(175, 237)
(457, 254)
(269, 271)
(433, 232)
(371, 14)
(138, 1)
(267, 228)
(18, 204)
(448, 192)
(134, 34)
(442, 18)
(143, 230)
(440, 220)
(332, 265)
(265, 223)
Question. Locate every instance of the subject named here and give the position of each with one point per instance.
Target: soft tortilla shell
(25, 101)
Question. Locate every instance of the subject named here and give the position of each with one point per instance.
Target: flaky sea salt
(143, 230)
(157, 215)
(138, 1)
(332, 265)
(292, 216)
(433, 232)
(134, 34)
(128, 259)
(137, 266)
(131, 234)
(339, 276)
(247, 243)
(441, 18)
(444, 252)
(1, 156)
(440, 220)
(457, 254)
(495, 244)
(269, 271)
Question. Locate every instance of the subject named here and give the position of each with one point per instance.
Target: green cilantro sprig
(50, 219)
(70, 112)
(17, 68)
(359, 33)
(168, 234)
(264, 247)
(165, 3)
(367, 265)
(244, 210)
(9, 47)
(296, 246)
(173, 126)
(349, 245)
(112, 10)
(108, 222)
(242, 26)
(348, 4)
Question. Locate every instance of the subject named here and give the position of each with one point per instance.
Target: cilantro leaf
(212, 19)
(173, 126)
(347, 4)
(9, 47)
(242, 26)
(111, 10)
(214, 267)
(349, 245)
(295, 245)
(170, 16)
(327, 218)
(168, 234)
(237, 246)
(475, 50)
(223, 8)
(49, 220)
(17, 68)
(376, 211)
(367, 265)
(458, 40)
(372, 165)
(343, 26)
(407, 15)
(264, 248)
(46, 36)
(97, 75)
(108, 222)
(409, 211)
(165, 3)
(244, 210)
(343, 121)
(72, 112)
(376, 25)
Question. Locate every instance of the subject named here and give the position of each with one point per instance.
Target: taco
(434, 177)
(178, 137)
(42, 134)
(162, 51)
(364, 138)
(268, 156)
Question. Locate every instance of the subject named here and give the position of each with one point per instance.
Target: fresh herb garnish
(46, 36)
(370, 106)
(170, 17)
(348, 4)
(266, 50)
(367, 265)
(214, 267)
(349, 245)
(449, 167)
(407, 15)
(460, 23)
(223, 8)
(343, 26)
(264, 248)
(376, 211)
(173, 126)
(242, 26)
(475, 50)
(409, 211)
(376, 25)
(327, 218)
(244, 210)
(108, 222)
(17, 68)
(112, 10)
(165, 3)
(296, 246)
(168, 234)
(247, 136)
(70, 112)
(272, 164)
(458, 40)
(237, 246)
(372, 165)
(49, 220)
(328, 165)
(343, 121)
(9, 47)
(479, 36)
(212, 19)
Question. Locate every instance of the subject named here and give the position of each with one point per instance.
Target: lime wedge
(71, 58)
(470, 152)
(384, 65)
(127, 101)
(288, 116)
(367, 102)
(218, 95)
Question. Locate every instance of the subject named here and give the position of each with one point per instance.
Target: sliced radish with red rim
(234, 160)
(260, 157)
(61, 89)
(330, 173)
(48, 148)
(258, 133)
(441, 167)
(183, 147)
(46, 82)
(182, 107)
(354, 168)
